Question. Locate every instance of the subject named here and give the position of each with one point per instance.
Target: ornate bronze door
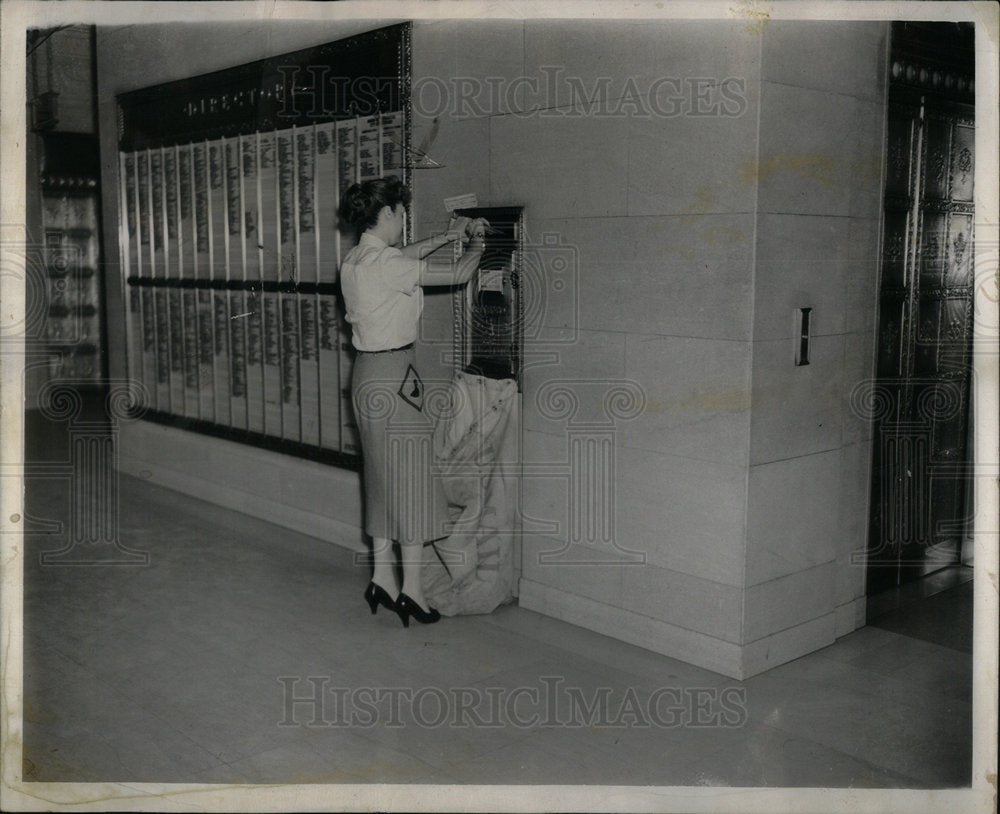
(919, 473)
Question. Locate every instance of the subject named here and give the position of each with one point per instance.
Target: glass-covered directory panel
(229, 187)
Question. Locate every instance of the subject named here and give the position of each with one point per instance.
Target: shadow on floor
(943, 618)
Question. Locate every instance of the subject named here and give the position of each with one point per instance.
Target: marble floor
(241, 652)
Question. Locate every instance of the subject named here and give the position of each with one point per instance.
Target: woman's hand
(458, 228)
(458, 270)
(477, 228)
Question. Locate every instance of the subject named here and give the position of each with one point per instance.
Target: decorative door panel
(918, 503)
(963, 150)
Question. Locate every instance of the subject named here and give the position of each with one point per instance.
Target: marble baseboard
(850, 616)
(170, 457)
(789, 644)
(643, 631)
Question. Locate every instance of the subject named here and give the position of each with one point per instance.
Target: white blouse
(382, 294)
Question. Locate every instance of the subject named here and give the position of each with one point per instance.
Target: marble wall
(740, 491)
(659, 213)
(820, 177)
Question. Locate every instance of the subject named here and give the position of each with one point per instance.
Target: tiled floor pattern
(185, 669)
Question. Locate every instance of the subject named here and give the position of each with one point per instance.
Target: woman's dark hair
(362, 202)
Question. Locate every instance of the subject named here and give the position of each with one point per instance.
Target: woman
(382, 287)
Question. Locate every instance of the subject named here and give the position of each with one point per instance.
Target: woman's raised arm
(445, 270)
(419, 250)
(440, 267)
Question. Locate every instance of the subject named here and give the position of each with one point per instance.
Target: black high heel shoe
(376, 595)
(406, 608)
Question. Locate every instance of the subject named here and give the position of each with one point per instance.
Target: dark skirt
(403, 500)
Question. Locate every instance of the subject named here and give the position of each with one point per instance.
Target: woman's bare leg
(384, 572)
(412, 555)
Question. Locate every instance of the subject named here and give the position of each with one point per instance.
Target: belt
(388, 350)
